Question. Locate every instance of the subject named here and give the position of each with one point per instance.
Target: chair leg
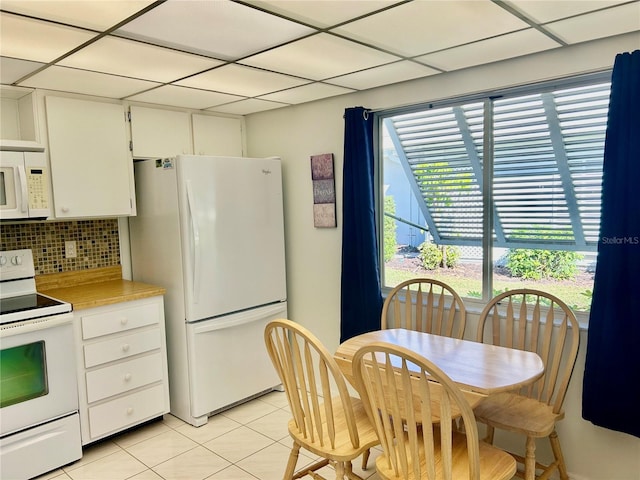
(557, 453)
(339, 470)
(365, 458)
(293, 460)
(489, 436)
(530, 459)
(348, 470)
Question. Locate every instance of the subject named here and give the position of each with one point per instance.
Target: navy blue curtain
(611, 386)
(361, 297)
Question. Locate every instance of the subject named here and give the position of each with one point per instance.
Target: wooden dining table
(477, 368)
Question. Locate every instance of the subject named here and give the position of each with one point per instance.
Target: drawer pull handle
(125, 347)
(129, 410)
(127, 377)
(124, 320)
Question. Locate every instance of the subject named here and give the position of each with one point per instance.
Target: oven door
(37, 372)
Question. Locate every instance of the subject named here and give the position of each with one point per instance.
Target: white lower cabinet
(122, 366)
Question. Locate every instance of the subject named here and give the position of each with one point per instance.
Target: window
(536, 189)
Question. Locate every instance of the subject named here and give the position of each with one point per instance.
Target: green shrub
(434, 256)
(390, 243)
(430, 255)
(453, 256)
(535, 264)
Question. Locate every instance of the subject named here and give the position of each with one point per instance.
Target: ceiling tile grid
(245, 56)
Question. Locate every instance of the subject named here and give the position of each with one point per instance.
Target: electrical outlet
(70, 249)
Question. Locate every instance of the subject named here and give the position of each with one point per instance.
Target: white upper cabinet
(91, 170)
(217, 135)
(158, 133)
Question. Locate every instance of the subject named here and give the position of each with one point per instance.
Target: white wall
(314, 255)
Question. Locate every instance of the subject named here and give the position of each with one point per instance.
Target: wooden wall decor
(324, 191)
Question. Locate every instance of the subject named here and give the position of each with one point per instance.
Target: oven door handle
(34, 325)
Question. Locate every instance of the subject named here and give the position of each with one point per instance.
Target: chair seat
(516, 413)
(343, 450)
(495, 464)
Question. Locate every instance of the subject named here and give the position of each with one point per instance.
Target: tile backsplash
(97, 243)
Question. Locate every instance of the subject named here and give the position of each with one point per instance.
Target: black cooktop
(23, 303)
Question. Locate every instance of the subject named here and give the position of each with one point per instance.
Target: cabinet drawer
(126, 411)
(124, 376)
(113, 321)
(121, 347)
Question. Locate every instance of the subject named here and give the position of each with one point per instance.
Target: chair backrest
(538, 322)
(427, 305)
(313, 383)
(384, 374)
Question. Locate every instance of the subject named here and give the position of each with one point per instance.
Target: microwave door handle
(196, 243)
(24, 193)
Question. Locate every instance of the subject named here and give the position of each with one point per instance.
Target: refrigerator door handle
(196, 243)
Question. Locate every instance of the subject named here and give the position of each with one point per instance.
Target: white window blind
(547, 177)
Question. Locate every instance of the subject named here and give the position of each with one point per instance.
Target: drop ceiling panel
(384, 75)
(543, 11)
(184, 97)
(95, 15)
(306, 93)
(321, 13)
(622, 19)
(491, 50)
(320, 56)
(240, 80)
(204, 52)
(224, 30)
(138, 60)
(12, 69)
(30, 39)
(421, 27)
(245, 107)
(66, 79)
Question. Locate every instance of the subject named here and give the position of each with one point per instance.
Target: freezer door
(228, 359)
(232, 233)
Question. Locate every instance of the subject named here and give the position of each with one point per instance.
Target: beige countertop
(94, 287)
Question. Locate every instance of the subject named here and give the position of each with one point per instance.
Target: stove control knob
(16, 260)
(3, 260)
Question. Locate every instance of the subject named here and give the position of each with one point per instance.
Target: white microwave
(24, 185)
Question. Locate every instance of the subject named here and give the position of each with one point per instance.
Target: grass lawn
(468, 284)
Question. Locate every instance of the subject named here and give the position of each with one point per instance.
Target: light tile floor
(247, 442)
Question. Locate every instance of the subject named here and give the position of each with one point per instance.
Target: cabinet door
(91, 171)
(217, 135)
(158, 133)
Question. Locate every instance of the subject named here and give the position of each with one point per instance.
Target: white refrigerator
(211, 231)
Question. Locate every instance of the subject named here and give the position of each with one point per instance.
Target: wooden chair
(403, 392)
(515, 319)
(326, 421)
(434, 310)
